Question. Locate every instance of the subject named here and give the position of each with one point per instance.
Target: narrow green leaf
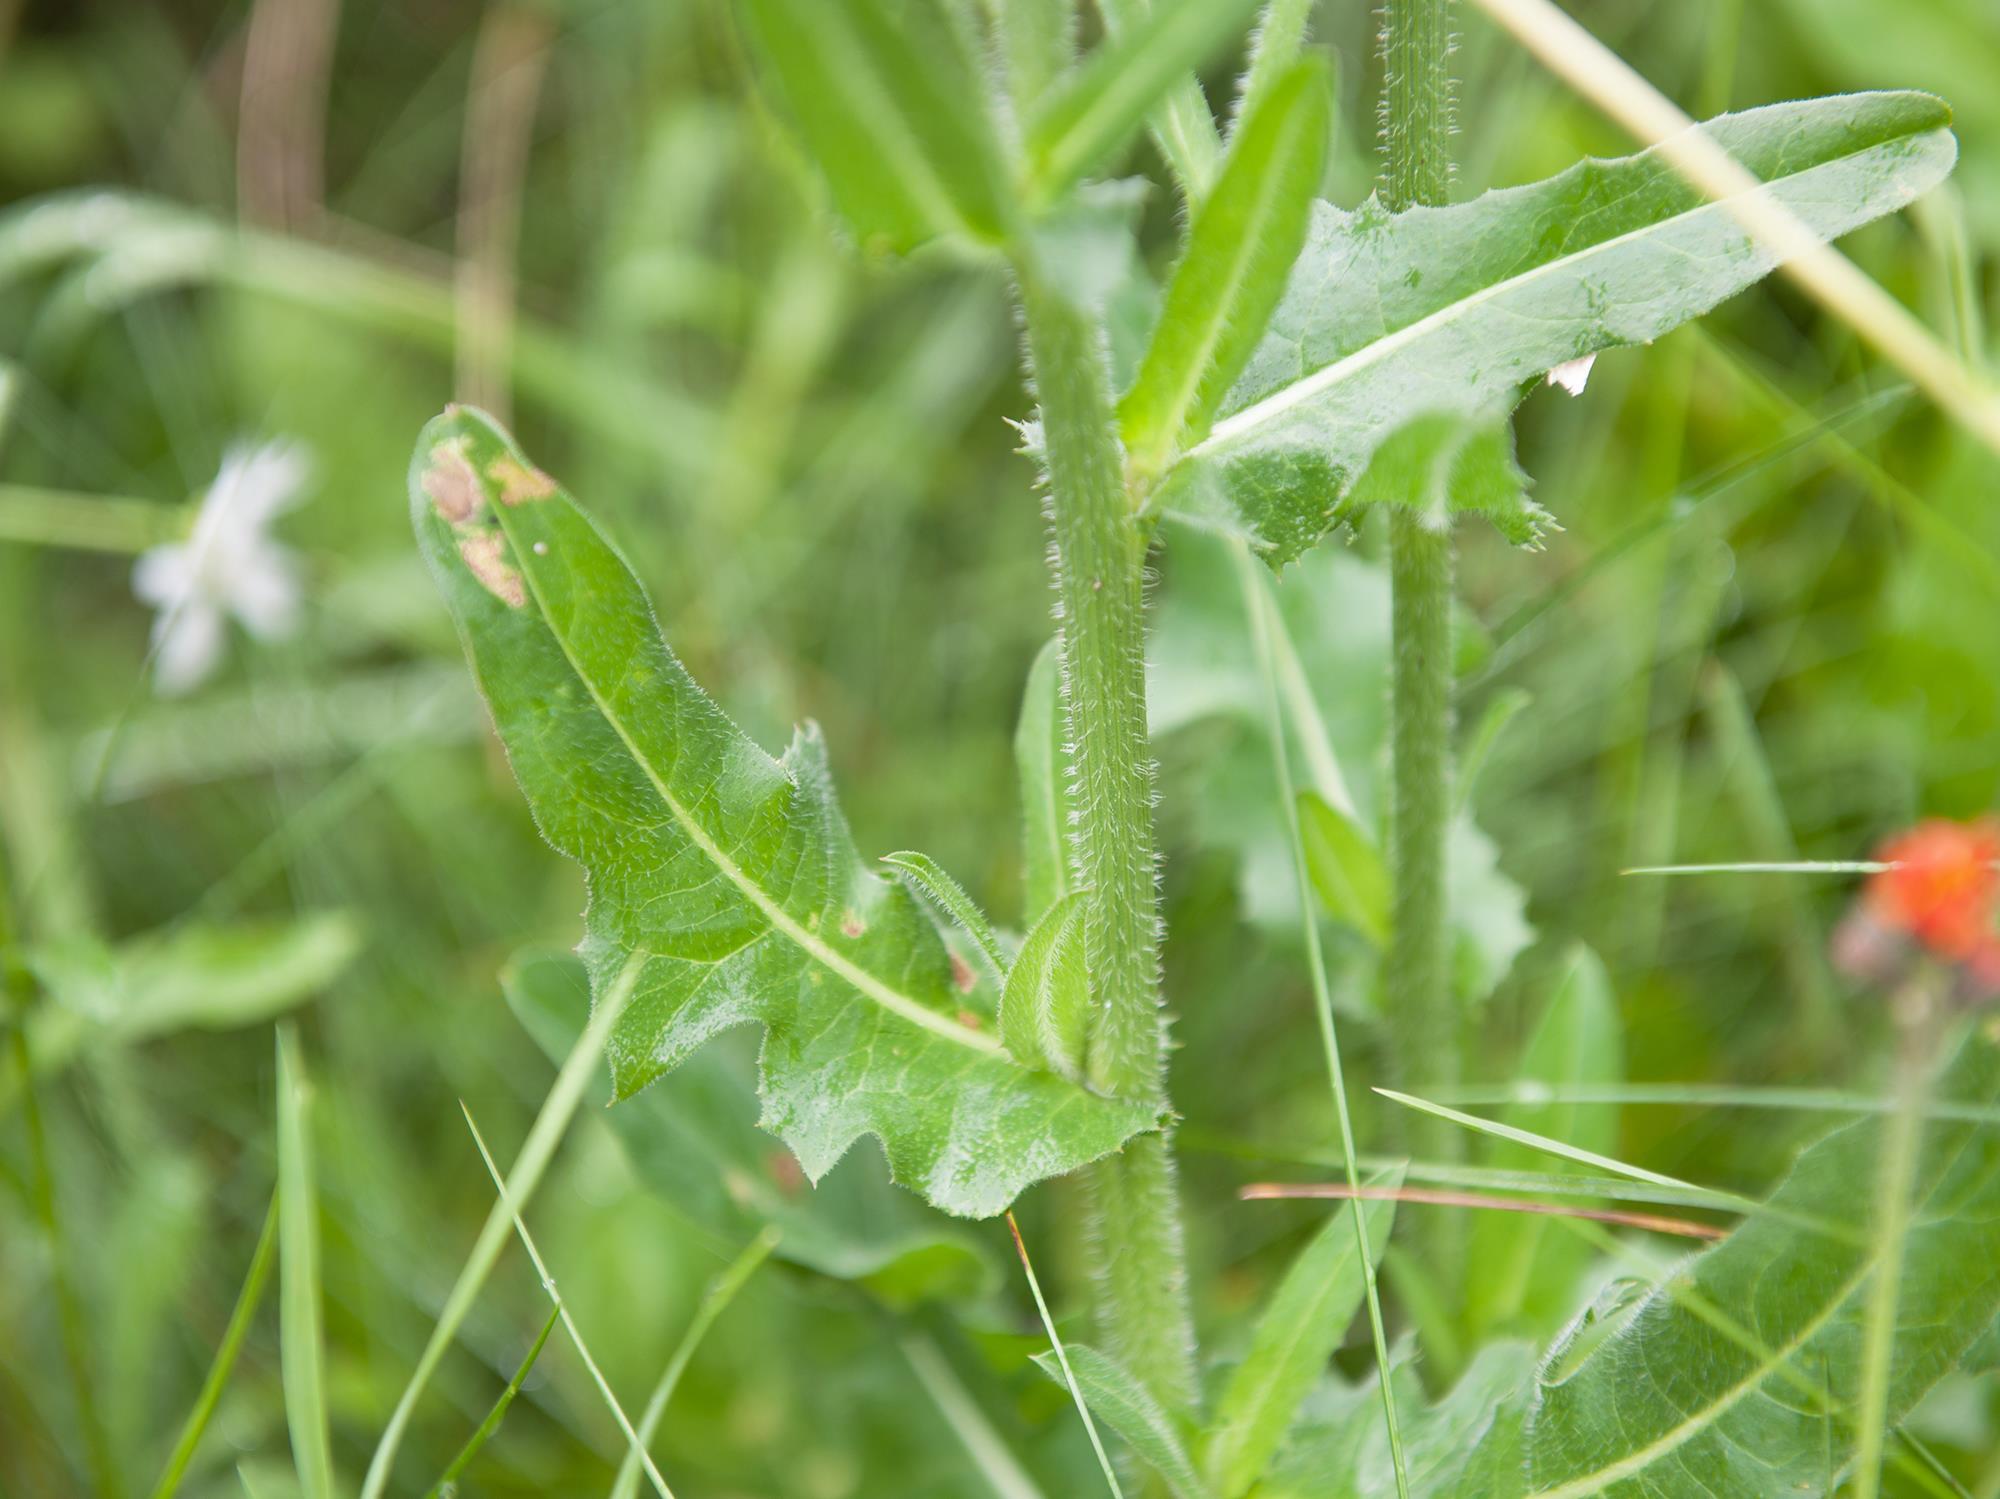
(1182, 124)
(1297, 1333)
(1085, 121)
(1045, 1008)
(1129, 1409)
(219, 1369)
(1524, 1268)
(948, 893)
(1346, 867)
(893, 110)
(536, 1152)
(1281, 31)
(732, 872)
(714, 1302)
(1750, 1333)
(1246, 235)
(1040, 762)
(1509, 286)
(301, 1339)
(448, 1483)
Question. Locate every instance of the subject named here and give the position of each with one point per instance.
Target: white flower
(1571, 374)
(228, 565)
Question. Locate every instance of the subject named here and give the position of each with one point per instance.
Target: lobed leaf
(1444, 314)
(1296, 1335)
(732, 874)
(892, 109)
(1241, 247)
(1128, 1408)
(1739, 1375)
(1089, 118)
(1045, 1008)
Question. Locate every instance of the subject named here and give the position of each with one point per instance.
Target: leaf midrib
(1245, 422)
(896, 1002)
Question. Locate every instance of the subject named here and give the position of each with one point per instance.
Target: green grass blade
(1265, 626)
(219, 1369)
(447, 1481)
(948, 893)
(301, 1336)
(996, 1463)
(1062, 1359)
(534, 1158)
(1085, 121)
(633, 1444)
(1240, 250)
(1501, 1131)
(714, 1302)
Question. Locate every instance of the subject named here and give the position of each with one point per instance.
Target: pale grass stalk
(1062, 1358)
(536, 1152)
(632, 1440)
(1263, 629)
(1835, 282)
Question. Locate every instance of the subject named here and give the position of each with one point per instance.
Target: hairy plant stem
(1416, 169)
(1099, 554)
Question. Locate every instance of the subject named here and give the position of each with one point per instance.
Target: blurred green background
(1766, 631)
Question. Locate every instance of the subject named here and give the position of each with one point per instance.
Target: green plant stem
(1099, 558)
(1416, 108)
(1916, 1009)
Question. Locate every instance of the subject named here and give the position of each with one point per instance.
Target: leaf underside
(734, 872)
(1446, 314)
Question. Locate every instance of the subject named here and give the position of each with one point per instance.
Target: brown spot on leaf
(453, 483)
(850, 924)
(519, 482)
(969, 1020)
(962, 977)
(485, 554)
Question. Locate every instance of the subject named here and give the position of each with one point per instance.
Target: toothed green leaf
(1443, 315)
(733, 872)
(1718, 1382)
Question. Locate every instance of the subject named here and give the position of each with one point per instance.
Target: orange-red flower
(1942, 887)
